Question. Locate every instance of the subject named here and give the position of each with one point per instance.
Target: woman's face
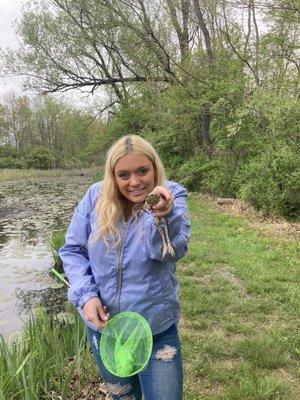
(135, 177)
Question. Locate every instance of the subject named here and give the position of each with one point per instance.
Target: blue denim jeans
(162, 379)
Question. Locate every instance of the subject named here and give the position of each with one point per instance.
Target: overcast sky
(10, 10)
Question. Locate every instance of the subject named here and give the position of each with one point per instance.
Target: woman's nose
(134, 180)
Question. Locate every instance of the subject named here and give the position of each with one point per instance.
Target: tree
(127, 46)
(17, 121)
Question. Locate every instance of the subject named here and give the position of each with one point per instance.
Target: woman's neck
(128, 210)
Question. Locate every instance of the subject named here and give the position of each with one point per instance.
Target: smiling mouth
(136, 192)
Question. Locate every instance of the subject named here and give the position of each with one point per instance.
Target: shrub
(39, 158)
(8, 151)
(270, 182)
(190, 174)
(9, 162)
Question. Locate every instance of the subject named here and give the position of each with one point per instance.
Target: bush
(270, 182)
(40, 158)
(70, 163)
(190, 174)
(8, 151)
(7, 162)
(14, 163)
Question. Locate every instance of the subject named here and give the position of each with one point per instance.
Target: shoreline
(11, 175)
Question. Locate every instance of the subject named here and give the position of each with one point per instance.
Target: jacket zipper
(119, 269)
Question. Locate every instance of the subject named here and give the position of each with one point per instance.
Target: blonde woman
(114, 262)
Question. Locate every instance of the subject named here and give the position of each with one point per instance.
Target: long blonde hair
(111, 206)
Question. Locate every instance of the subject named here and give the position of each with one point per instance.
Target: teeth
(136, 191)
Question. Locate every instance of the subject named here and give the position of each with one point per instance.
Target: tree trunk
(205, 116)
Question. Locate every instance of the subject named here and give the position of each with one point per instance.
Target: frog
(161, 224)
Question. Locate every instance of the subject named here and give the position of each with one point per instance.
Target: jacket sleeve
(74, 254)
(179, 227)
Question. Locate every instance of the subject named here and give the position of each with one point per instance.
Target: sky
(10, 10)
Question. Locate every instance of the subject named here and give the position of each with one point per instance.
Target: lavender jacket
(130, 276)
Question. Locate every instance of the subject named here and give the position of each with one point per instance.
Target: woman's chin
(137, 198)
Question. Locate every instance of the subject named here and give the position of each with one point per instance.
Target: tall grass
(57, 241)
(42, 363)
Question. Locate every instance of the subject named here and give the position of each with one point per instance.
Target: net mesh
(126, 344)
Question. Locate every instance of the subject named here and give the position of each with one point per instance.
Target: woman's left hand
(165, 204)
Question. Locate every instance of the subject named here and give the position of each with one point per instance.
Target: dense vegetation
(213, 84)
(44, 133)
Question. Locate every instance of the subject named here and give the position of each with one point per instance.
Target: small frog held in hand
(161, 224)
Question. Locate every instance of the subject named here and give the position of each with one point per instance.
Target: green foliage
(192, 172)
(9, 162)
(46, 359)
(227, 124)
(47, 134)
(270, 182)
(8, 151)
(57, 241)
(255, 141)
(40, 158)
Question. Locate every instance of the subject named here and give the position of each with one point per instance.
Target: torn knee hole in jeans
(166, 354)
(119, 390)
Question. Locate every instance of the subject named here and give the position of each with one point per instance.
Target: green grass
(240, 310)
(51, 360)
(239, 327)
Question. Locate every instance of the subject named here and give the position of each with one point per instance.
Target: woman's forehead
(133, 161)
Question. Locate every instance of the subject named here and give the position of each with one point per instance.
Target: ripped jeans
(162, 379)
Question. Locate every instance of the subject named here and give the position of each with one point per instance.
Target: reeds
(57, 241)
(50, 360)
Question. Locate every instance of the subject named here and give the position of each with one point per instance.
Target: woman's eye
(142, 171)
(123, 175)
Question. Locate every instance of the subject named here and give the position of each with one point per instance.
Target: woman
(113, 260)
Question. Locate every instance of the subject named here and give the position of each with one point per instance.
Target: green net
(126, 344)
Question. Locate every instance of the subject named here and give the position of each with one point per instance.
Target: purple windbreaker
(131, 276)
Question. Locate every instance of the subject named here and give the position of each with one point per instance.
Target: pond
(30, 211)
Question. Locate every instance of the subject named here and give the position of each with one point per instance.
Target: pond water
(30, 211)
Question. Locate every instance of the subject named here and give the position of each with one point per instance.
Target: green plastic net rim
(126, 344)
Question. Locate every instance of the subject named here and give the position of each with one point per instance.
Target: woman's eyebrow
(143, 166)
(125, 170)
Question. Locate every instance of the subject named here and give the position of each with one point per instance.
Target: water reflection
(29, 212)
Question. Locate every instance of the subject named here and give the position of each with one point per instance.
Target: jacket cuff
(87, 296)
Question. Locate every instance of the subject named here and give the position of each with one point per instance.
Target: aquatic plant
(57, 241)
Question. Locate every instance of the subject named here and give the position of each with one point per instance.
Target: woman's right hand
(94, 312)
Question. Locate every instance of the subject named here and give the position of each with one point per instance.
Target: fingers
(95, 313)
(103, 314)
(165, 204)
